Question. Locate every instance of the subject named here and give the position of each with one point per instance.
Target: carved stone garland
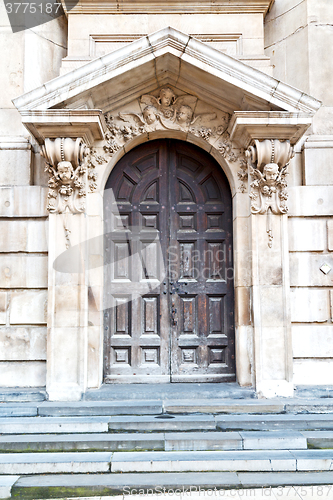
(267, 163)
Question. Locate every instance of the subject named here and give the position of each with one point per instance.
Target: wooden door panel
(178, 326)
(137, 324)
(202, 335)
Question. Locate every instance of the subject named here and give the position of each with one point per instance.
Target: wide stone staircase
(103, 447)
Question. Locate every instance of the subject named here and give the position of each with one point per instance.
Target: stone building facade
(241, 85)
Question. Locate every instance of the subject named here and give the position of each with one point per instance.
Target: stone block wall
(298, 39)
(29, 58)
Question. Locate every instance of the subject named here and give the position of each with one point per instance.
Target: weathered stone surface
(22, 394)
(313, 460)
(23, 236)
(6, 484)
(319, 439)
(203, 461)
(23, 201)
(306, 235)
(23, 373)
(196, 441)
(3, 308)
(305, 269)
(274, 422)
(53, 425)
(312, 341)
(44, 463)
(114, 483)
(277, 440)
(313, 371)
(18, 410)
(23, 271)
(82, 442)
(163, 422)
(314, 156)
(18, 167)
(28, 308)
(309, 306)
(100, 408)
(310, 201)
(330, 234)
(22, 343)
(224, 406)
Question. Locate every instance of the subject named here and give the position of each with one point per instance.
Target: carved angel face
(65, 171)
(167, 97)
(184, 114)
(149, 114)
(271, 171)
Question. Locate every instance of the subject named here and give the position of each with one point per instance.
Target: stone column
(67, 277)
(273, 362)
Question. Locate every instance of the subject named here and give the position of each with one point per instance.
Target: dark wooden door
(168, 279)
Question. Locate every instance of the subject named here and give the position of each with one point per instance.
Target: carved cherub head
(166, 97)
(184, 115)
(150, 115)
(271, 171)
(65, 171)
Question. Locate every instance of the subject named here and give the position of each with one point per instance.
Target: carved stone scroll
(66, 163)
(268, 162)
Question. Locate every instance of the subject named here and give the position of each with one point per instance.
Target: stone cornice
(86, 123)
(247, 126)
(150, 58)
(168, 7)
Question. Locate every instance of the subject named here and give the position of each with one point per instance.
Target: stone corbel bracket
(66, 165)
(65, 137)
(268, 138)
(254, 131)
(268, 161)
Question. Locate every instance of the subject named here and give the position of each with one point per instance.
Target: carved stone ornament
(268, 162)
(67, 165)
(166, 111)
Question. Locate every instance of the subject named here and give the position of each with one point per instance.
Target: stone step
(160, 423)
(50, 425)
(196, 441)
(166, 461)
(170, 441)
(275, 422)
(82, 442)
(89, 408)
(319, 439)
(249, 406)
(154, 407)
(219, 461)
(22, 394)
(54, 463)
(188, 483)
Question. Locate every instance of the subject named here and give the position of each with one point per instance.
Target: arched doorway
(169, 272)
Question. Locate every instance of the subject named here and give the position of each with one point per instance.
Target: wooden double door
(169, 308)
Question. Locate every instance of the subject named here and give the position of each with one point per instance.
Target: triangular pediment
(167, 58)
